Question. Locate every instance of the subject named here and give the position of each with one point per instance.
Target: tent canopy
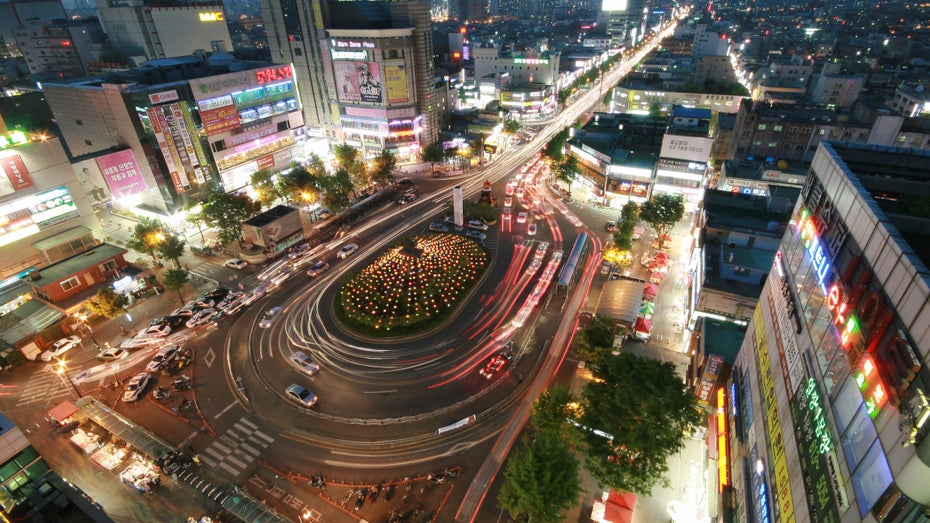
(114, 423)
(650, 289)
(620, 300)
(662, 255)
(643, 325)
(63, 411)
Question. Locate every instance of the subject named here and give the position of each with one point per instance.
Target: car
(494, 365)
(60, 347)
(506, 213)
(136, 387)
(171, 321)
(304, 364)
(531, 229)
(478, 235)
(184, 312)
(509, 190)
(478, 225)
(611, 226)
(282, 276)
(112, 354)
(438, 227)
(156, 331)
(162, 358)
(346, 250)
(521, 217)
(199, 318)
(204, 303)
(520, 192)
(317, 269)
(404, 182)
(298, 250)
(138, 343)
(508, 201)
(235, 263)
(301, 395)
(230, 300)
(270, 316)
(323, 214)
(215, 318)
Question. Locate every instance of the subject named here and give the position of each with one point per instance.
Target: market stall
(642, 329)
(140, 474)
(86, 440)
(62, 413)
(109, 456)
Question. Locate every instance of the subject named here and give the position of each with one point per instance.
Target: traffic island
(413, 286)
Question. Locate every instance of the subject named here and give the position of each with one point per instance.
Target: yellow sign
(213, 16)
(772, 421)
(395, 76)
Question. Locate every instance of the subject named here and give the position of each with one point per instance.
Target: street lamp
(62, 372)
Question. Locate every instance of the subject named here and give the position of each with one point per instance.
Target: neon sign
(871, 386)
(531, 61)
(825, 442)
(723, 478)
(811, 240)
(213, 16)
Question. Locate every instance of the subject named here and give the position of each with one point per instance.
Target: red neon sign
(722, 466)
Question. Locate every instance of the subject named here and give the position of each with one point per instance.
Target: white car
(317, 269)
(299, 251)
(136, 387)
(438, 227)
(478, 235)
(304, 364)
(346, 250)
(301, 395)
(162, 358)
(270, 316)
(531, 229)
(508, 201)
(199, 318)
(478, 225)
(236, 263)
(60, 347)
(521, 217)
(520, 192)
(156, 331)
(112, 354)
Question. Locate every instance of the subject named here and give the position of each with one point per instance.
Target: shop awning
(651, 290)
(614, 507)
(134, 435)
(63, 411)
(250, 509)
(647, 308)
(620, 300)
(643, 325)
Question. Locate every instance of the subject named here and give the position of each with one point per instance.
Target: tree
(553, 149)
(646, 410)
(662, 212)
(595, 342)
(552, 410)
(336, 188)
(384, 166)
(511, 126)
(567, 171)
(347, 157)
(108, 303)
(146, 237)
(655, 110)
(172, 248)
(264, 187)
(175, 280)
(300, 185)
(541, 479)
(226, 212)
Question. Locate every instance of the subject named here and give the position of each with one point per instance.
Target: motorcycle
(186, 404)
(182, 383)
(361, 499)
(317, 481)
(373, 495)
(161, 393)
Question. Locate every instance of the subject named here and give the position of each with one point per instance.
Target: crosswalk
(43, 386)
(237, 449)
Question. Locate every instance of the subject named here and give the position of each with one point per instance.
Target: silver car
(136, 387)
(304, 364)
(301, 395)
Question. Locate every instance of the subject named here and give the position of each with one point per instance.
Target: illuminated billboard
(691, 148)
(122, 174)
(358, 82)
(30, 214)
(395, 76)
(614, 5)
(17, 177)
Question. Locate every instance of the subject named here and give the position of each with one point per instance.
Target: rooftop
(269, 216)
(75, 264)
(722, 338)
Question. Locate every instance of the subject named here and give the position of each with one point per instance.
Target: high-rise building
(148, 30)
(626, 20)
(825, 416)
(321, 38)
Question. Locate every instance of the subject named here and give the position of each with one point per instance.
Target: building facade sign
(358, 82)
(162, 97)
(122, 173)
(395, 76)
(691, 148)
(709, 379)
(16, 173)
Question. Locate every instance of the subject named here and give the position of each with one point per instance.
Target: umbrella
(656, 276)
(662, 255)
(647, 308)
(651, 289)
(643, 325)
(657, 268)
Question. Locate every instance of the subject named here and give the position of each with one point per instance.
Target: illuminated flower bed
(403, 292)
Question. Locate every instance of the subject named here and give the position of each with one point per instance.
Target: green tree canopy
(225, 212)
(541, 479)
(264, 186)
(175, 280)
(383, 167)
(553, 410)
(433, 154)
(172, 248)
(646, 409)
(336, 188)
(662, 212)
(567, 171)
(146, 237)
(553, 149)
(300, 185)
(108, 303)
(348, 158)
(595, 342)
(511, 126)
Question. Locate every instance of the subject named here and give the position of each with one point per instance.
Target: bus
(575, 258)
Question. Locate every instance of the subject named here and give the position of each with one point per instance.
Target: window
(761, 127)
(757, 143)
(110, 265)
(821, 132)
(902, 139)
(71, 283)
(298, 51)
(78, 122)
(773, 145)
(777, 128)
(88, 142)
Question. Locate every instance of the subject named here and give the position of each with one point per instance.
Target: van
(201, 250)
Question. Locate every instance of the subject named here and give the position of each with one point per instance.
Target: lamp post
(62, 372)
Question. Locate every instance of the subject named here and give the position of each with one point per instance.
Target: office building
(825, 415)
(147, 30)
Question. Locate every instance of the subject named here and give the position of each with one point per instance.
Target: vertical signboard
(709, 379)
(395, 76)
(16, 173)
(166, 145)
(457, 206)
(121, 173)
